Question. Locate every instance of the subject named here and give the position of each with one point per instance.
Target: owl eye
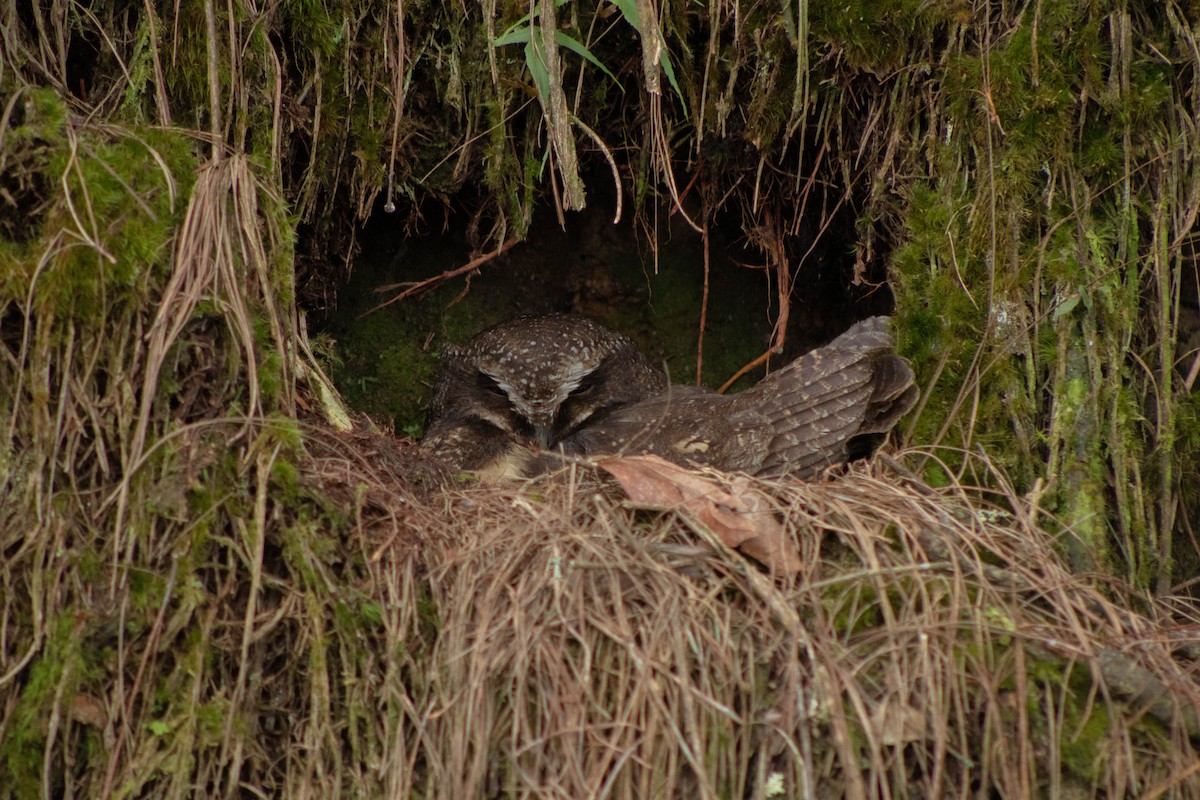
(586, 387)
(489, 385)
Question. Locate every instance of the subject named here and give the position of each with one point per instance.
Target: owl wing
(821, 405)
(476, 445)
(796, 421)
(698, 427)
(811, 407)
(678, 425)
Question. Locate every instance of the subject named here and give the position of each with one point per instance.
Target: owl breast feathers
(566, 383)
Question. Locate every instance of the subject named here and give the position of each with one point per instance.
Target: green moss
(270, 375)
(61, 660)
(210, 718)
(125, 206)
(286, 478)
(428, 613)
(853, 609)
(1083, 730)
(146, 593)
(383, 375)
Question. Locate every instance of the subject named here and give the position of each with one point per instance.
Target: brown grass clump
(577, 647)
(315, 614)
(365, 625)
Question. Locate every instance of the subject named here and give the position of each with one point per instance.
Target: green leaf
(665, 60)
(1066, 307)
(575, 46)
(523, 21)
(535, 59)
(629, 10)
(512, 36)
(525, 36)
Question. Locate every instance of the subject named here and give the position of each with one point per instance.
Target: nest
(450, 639)
(929, 644)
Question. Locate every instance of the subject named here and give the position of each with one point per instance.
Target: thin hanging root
(612, 164)
(437, 280)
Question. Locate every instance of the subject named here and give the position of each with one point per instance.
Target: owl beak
(544, 434)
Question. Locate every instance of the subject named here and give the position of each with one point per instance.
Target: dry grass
(573, 647)
(336, 617)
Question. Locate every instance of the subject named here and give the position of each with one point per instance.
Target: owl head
(536, 379)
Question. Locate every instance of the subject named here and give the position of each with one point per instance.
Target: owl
(826, 407)
(531, 382)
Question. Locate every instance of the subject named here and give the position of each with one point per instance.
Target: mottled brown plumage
(817, 411)
(531, 381)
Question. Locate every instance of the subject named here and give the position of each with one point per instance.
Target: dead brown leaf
(738, 514)
(89, 710)
(897, 723)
